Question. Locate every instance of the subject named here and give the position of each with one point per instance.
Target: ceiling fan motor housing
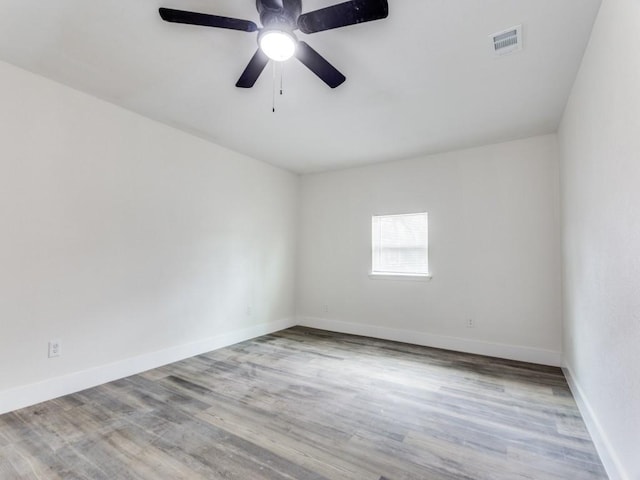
(279, 14)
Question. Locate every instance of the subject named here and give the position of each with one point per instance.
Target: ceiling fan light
(277, 45)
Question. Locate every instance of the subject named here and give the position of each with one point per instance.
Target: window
(400, 245)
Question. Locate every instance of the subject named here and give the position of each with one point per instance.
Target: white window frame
(399, 275)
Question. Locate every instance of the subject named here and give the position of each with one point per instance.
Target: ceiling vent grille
(507, 41)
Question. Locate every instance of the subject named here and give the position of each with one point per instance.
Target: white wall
(600, 143)
(494, 251)
(123, 237)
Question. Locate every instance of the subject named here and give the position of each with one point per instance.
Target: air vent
(507, 41)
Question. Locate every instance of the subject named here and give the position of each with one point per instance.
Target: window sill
(410, 277)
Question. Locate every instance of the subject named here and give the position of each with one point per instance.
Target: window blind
(400, 244)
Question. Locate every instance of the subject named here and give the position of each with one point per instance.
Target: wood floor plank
(305, 404)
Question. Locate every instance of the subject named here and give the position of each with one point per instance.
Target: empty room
(324, 240)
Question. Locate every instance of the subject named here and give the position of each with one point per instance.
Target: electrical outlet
(325, 308)
(248, 310)
(470, 323)
(54, 348)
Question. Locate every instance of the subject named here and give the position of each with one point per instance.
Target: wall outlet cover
(54, 348)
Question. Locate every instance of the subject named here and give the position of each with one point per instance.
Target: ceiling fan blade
(342, 15)
(254, 69)
(206, 20)
(318, 65)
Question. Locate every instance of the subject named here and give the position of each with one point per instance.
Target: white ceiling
(422, 81)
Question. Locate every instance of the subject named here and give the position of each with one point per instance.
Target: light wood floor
(305, 404)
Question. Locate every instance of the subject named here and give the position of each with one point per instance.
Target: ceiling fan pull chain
(281, 75)
(273, 87)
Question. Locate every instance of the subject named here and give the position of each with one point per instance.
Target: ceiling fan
(276, 40)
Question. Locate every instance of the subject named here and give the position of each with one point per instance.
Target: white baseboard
(511, 352)
(607, 454)
(26, 395)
